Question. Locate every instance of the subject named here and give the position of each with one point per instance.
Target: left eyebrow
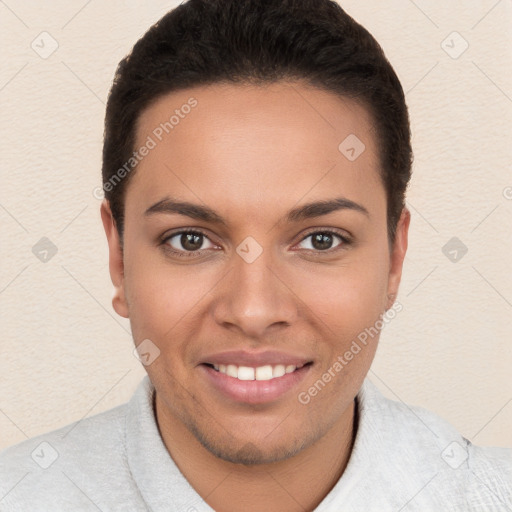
(206, 214)
(319, 208)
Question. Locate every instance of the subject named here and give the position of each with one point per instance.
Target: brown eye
(188, 241)
(324, 240)
(191, 241)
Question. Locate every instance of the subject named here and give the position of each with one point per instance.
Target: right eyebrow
(195, 211)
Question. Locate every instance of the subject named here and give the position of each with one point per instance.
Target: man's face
(260, 288)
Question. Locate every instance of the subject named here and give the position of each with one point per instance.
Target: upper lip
(255, 359)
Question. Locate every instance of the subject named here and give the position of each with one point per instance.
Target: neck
(298, 483)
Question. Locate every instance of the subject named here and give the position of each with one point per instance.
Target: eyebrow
(206, 214)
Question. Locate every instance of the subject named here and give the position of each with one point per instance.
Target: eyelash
(191, 254)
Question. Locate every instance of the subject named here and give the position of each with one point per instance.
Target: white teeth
(279, 370)
(232, 371)
(245, 373)
(266, 372)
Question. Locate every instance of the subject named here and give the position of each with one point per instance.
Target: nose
(255, 298)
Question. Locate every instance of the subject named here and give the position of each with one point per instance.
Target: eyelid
(344, 235)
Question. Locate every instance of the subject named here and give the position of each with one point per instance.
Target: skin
(252, 153)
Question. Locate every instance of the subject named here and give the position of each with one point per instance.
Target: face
(261, 282)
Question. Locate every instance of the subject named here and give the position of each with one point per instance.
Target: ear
(116, 264)
(397, 256)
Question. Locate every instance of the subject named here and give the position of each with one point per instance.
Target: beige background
(67, 355)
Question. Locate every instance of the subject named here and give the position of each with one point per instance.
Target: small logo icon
(352, 147)
(44, 45)
(249, 250)
(454, 454)
(98, 193)
(44, 250)
(146, 352)
(454, 45)
(454, 249)
(45, 455)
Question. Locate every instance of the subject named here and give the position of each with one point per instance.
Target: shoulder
(490, 473)
(72, 467)
(93, 435)
(424, 449)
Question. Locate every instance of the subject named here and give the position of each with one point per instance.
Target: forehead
(244, 142)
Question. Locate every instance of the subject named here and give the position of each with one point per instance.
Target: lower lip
(254, 391)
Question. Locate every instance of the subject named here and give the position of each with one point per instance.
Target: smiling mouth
(260, 373)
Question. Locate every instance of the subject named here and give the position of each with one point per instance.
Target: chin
(250, 453)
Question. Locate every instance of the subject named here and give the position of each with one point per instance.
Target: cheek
(347, 298)
(160, 295)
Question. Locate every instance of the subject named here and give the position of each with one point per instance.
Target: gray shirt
(404, 458)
